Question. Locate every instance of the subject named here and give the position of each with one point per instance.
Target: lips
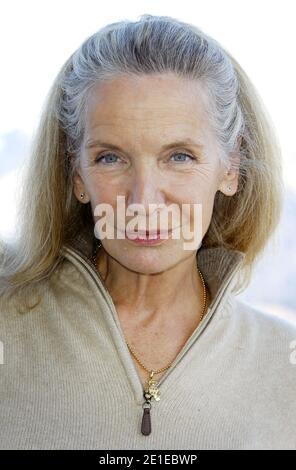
(146, 235)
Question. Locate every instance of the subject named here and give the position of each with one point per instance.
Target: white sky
(36, 37)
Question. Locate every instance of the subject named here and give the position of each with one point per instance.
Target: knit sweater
(68, 380)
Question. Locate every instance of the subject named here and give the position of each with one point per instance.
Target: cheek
(101, 190)
(196, 202)
(196, 191)
(103, 199)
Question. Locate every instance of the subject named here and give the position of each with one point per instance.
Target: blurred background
(37, 37)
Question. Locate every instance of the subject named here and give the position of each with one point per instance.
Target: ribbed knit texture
(68, 380)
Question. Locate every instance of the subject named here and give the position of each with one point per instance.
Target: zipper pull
(150, 391)
(146, 419)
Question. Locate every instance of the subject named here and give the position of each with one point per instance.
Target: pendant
(151, 390)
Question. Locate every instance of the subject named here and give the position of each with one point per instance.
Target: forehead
(142, 106)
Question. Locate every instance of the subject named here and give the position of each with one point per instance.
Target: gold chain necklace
(151, 389)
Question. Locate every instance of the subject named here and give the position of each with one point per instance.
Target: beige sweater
(68, 380)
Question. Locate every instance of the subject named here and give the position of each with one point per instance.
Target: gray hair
(155, 44)
(51, 215)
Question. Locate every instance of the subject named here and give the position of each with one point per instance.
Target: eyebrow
(179, 143)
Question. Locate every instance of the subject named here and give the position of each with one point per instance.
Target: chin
(145, 260)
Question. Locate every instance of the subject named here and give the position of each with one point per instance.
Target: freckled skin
(140, 115)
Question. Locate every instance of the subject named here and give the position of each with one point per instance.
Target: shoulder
(2, 249)
(267, 333)
(251, 314)
(262, 347)
(61, 291)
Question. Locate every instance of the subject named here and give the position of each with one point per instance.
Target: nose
(146, 188)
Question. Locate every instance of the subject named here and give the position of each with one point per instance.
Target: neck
(176, 293)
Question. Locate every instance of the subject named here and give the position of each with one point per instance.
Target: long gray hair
(51, 215)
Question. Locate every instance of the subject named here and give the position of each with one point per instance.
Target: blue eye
(111, 158)
(185, 155)
(106, 156)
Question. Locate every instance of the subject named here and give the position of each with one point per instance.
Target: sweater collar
(218, 265)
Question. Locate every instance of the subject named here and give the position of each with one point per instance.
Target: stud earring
(229, 188)
(82, 195)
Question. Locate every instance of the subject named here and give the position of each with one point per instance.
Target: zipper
(151, 391)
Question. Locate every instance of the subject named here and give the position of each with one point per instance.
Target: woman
(114, 343)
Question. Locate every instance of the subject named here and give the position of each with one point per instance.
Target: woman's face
(143, 118)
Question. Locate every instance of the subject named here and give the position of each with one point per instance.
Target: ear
(229, 182)
(79, 188)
